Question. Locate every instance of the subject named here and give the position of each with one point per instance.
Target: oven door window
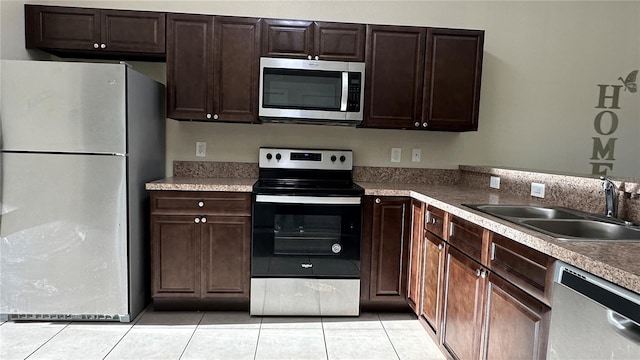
(302, 89)
(306, 234)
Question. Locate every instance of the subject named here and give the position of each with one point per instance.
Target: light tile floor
(222, 335)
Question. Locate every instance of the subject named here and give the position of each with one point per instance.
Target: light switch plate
(396, 154)
(201, 149)
(494, 182)
(415, 155)
(537, 190)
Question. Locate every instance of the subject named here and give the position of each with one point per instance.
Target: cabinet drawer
(434, 221)
(200, 203)
(467, 237)
(521, 265)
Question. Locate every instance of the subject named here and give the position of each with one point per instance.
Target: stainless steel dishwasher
(592, 318)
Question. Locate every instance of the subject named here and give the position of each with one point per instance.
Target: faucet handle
(607, 184)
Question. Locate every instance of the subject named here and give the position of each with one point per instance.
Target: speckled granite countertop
(202, 184)
(614, 261)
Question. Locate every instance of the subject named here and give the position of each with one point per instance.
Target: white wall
(542, 64)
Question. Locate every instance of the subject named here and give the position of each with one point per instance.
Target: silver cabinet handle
(103, 46)
(317, 57)
(196, 220)
(478, 272)
(96, 45)
(215, 116)
(450, 229)
(417, 124)
(208, 116)
(308, 57)
(424, 124)
(204, 220)
(440, 246)
(201, 204)
(483, 274)
(434, 220)
(377, 200)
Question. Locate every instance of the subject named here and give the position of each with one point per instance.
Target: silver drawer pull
(201, 204)
(196, 220)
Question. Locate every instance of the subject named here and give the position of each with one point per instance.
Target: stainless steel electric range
(305, 251)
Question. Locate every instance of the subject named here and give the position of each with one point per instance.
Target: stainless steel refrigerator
(77, 143)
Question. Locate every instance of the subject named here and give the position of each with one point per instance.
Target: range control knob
(278, 156)
(333, 158)
(269, 156)
(342, 158)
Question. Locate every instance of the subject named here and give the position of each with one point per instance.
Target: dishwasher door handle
(624, 326)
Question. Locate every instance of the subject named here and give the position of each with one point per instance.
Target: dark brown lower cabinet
(432, 281)
(390, 236)
(414, 281)
(516, 325)
(463, 305)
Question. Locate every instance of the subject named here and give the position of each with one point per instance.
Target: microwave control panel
(353, 100)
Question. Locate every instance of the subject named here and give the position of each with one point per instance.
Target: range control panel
(276, 158)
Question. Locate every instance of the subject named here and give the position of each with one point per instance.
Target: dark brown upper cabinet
(394, 76)
(212, 68)
(452, 79)
(67, 31)
(313, 40)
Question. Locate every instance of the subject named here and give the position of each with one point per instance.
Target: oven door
(306, 236)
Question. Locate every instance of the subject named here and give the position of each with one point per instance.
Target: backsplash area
(577, 192)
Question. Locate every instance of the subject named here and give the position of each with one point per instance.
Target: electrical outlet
(415, 155)
(494, 182)
(201, 149)
(537, 190)
(396, 154)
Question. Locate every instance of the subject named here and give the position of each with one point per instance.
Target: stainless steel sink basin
(527, 211)
(562, 223)
(584, 229)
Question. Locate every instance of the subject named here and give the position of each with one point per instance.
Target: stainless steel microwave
(311, 91)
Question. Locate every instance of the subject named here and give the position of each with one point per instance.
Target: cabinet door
(189, 66)
(287, 38)
(62, 27)
(339, 41)
(236, 69)
(463, 306)
(516, 324)
(432, 280)
(414, 281)
(226, 244)
(394, 76)
(175, 256)
(133, 31)
(389, 247)
(452, 81)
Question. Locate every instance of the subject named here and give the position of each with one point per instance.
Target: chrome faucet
(610, 197)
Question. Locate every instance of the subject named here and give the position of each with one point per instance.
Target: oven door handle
(315, 200)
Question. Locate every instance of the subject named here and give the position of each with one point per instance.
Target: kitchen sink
(563, 223)
(527, 211)
(584, 229)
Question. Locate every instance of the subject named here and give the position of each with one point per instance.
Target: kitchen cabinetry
(390, 236)
(452, 79)
(212, 68)
(313, 40)
(414, 282)
(394, 76)
(95, 32)
(200, 245)
(434, 250)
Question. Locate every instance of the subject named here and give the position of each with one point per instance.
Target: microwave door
(345, 91)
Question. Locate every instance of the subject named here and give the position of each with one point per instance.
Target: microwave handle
(345, 90)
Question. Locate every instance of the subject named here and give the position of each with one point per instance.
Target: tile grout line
(192, 334)
(324, 338)
(255, 353)
(45, 343)
(388, 337)
(135, 322)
